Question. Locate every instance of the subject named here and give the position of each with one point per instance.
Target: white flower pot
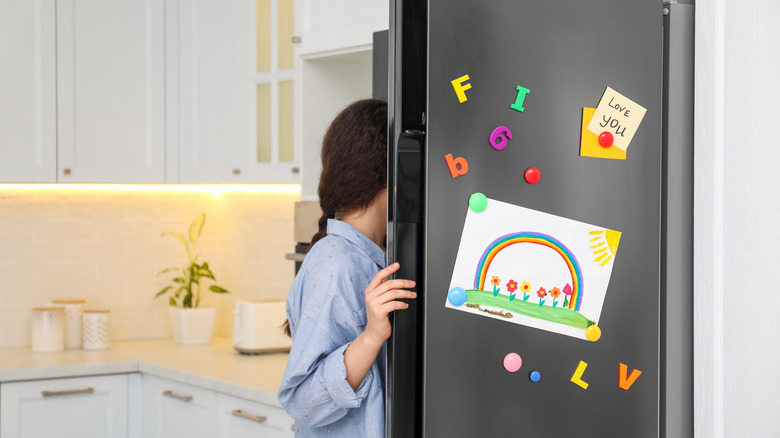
(192, 325)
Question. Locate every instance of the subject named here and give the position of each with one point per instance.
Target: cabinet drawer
(238, 418)
(83, 406)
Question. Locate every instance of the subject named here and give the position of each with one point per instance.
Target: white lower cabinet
(80, 407)
(172, 409)
(240, 418)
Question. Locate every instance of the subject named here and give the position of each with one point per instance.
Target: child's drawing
(532, 268)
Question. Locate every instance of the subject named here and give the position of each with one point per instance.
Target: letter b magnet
(458, 166)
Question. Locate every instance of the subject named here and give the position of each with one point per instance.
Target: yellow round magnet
(593, 333)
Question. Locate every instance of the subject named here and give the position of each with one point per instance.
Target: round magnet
(532, 175)
(593, 333)
(606, 139)
(512, 362)
(535, 376)
(457, 296)
(478, 202)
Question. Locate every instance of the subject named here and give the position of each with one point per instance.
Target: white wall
(737, 207)
(104, 245)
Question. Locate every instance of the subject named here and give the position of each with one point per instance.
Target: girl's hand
(381, 295)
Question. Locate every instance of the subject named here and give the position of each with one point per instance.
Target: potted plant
(190, 323)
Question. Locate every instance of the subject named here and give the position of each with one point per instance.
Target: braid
(322, 225)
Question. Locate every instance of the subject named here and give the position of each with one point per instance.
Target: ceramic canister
(74, 310)
(96, 336)
(48, 329)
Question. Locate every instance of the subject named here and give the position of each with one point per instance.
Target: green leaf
(196, 226)
(179, 280)
(216, 289)
(187, 300)
(206, 272)
(172, 302)
(163, 290)
(167, 270)
(176, 235)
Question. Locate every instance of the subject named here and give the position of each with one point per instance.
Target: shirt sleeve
(314, 389)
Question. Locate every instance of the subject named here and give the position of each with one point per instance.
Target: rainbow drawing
(539, 239)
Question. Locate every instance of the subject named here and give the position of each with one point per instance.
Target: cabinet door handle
(186, 398)
(68, 392)
(238, 413)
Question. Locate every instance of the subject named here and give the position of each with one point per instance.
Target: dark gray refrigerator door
(566, 53)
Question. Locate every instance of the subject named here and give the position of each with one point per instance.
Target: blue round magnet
(534, 376)
(457, 296)
(478, 202)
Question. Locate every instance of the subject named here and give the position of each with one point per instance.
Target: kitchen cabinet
(110, 91)
(232, 113)
(329, 28)
(239, 418)
(28, 99)
(172, 409)
(95, 406)
(81, 91)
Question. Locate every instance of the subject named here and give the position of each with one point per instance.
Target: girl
(338, 304)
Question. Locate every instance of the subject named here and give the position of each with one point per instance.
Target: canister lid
(48, 309)
(97, 311)
(67, 301)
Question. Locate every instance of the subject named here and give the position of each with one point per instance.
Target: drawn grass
(531, 309)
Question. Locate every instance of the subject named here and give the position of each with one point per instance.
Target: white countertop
(215, 366)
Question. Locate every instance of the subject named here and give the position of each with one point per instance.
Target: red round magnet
(532, 175)
(606, 139)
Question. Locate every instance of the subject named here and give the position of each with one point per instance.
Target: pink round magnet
(512, 362)
(606, 139)
(532, 175)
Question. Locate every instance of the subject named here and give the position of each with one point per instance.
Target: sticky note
(617, 115)
(589, 142)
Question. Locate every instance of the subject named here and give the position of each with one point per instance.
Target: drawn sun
(604, 244)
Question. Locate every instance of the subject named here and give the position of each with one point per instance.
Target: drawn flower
(526, 288)
(567, 292)
(511, 286)
(495, 281)
(542, 293)
(555, 293)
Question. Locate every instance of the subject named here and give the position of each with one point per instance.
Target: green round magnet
(478, 202)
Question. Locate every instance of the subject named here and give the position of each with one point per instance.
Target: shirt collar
(351, 234)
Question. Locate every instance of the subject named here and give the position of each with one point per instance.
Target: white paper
(542, 249)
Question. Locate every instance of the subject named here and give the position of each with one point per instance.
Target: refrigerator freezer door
(565, 53)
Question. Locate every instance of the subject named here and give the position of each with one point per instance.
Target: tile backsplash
(104, 244)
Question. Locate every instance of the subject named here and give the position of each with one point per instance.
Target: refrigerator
(496, 175)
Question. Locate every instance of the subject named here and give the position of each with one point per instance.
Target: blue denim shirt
(327, 311)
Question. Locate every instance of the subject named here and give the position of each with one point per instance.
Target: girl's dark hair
(354, 162)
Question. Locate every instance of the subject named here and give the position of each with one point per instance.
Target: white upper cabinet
(110, 91)
(338, 26)
(28, 118)
(232, 111)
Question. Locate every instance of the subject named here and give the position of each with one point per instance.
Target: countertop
(215, 366)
